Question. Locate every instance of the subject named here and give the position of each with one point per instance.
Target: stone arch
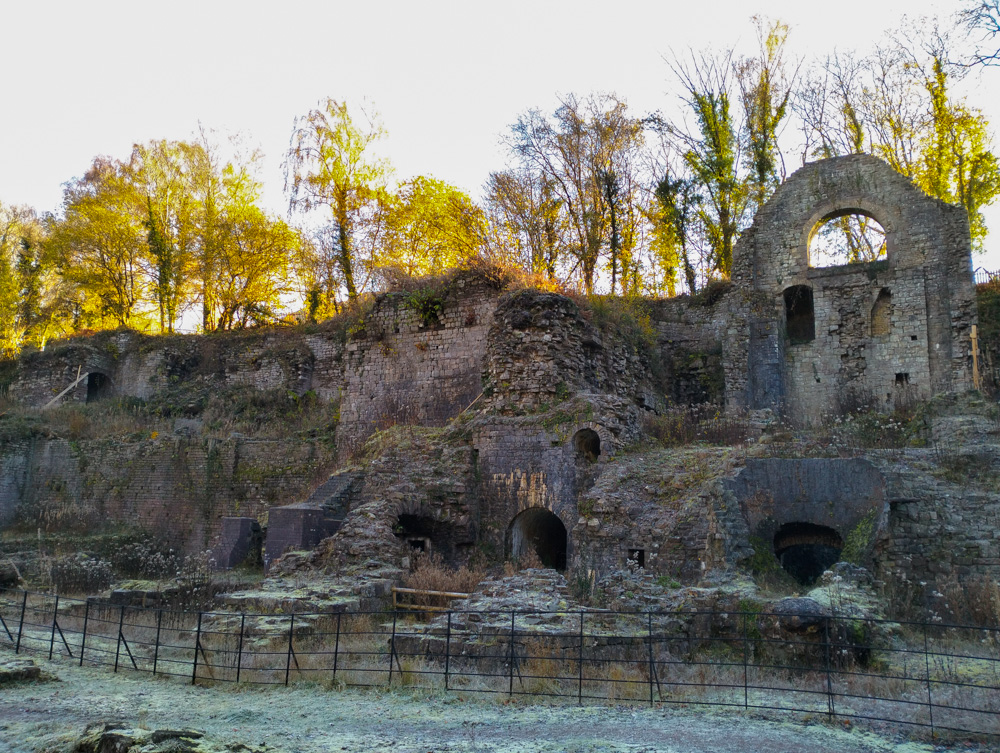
(587, 445)
(595, 437)
(806, 550)
(541, 531)
(98, 386)
(844, 207)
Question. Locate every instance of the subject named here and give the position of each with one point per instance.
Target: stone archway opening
(587, 444)
(807, 550)
(539, 531)
(98, 385)
(848, 236)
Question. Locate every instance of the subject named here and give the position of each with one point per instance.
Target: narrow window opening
(882, 314)
(902, 379)
(800, 317)
(636, 559)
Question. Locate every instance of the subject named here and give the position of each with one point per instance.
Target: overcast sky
(89, 78)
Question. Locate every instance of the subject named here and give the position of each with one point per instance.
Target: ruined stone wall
(689, 332)
(927, 273)
(408, 368)
(939, 533)
(177, 488)
(535, 462)
(541, 350)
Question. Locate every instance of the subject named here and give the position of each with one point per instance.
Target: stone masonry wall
(175, 487)
(541, 350)
(927, 273)
(404, 368)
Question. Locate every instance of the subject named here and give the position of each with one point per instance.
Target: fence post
(579, 688)
(927, 670)
(20, 627)
(156, 641)
(52, 637)
(336, 648)
(239, 650)
(746, 663)
(118, 644)
(288, 659)
(447, 650)
(510, 687)
(649, 635)
(392, 645)
(830, 710)
(83, 641)
(197, 647)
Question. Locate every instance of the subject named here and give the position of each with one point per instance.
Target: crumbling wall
(542, 350)
(174, 487)
(921, 349)
(417, 359)
(689, 332)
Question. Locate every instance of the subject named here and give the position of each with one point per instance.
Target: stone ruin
(536, 404)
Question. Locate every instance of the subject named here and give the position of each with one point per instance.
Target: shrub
(79, 573)
(431, 573)
(698, 423)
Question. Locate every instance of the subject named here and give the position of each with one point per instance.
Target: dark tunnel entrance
(587, 444)
(97, 386)
(806, 550)
(541, 531)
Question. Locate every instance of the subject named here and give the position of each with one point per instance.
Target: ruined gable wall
(928, 273)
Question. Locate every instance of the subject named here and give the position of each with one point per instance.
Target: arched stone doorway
(541, 531)
(587, 445)
(806, 550)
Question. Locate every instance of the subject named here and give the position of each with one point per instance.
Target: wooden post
(447, 651)
(976, 382)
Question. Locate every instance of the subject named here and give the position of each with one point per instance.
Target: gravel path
(49, 716)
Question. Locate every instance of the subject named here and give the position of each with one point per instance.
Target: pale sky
(89, 78)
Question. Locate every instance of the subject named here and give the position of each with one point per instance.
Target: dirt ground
(50, 716)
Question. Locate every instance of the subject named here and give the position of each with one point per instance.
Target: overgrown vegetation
(429, 572)
(708, 423)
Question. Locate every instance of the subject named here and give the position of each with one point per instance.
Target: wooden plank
(79, 379)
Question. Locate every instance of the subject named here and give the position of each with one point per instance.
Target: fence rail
(985, 276)
(935, 676)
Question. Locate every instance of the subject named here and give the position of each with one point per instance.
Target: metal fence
(985, 277)
(928, 675)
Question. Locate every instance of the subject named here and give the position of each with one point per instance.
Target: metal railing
(985, 277)
(928, 675)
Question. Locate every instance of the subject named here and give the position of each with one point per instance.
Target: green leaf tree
(329, 165)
